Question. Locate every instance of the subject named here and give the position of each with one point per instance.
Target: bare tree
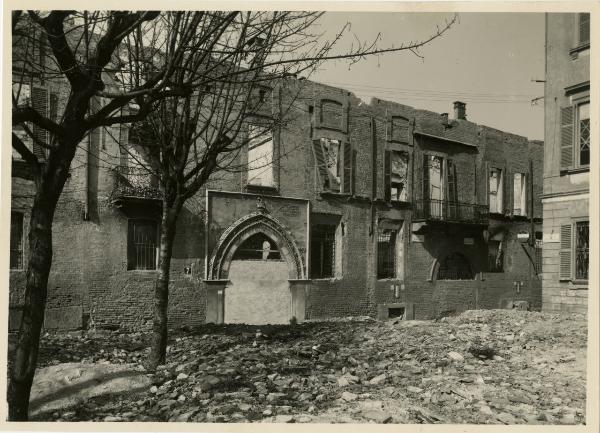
(81, 56)
(187, 139)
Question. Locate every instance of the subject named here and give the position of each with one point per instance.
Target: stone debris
(476, 367)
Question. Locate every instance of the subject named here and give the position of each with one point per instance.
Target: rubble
(475, 367)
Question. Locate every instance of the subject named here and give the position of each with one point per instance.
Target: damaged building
(347, 209)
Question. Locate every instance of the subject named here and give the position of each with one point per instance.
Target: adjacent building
(566, 162)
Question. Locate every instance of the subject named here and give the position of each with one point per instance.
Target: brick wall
(90, 261)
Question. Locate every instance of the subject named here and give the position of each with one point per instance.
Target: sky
(487, 60)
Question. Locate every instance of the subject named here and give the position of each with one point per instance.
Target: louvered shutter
(321, 166)
(566, 137)
(452, 194)
(348, 171)
(425, 177)
(53, 110)
(565, 253)
(506, 191)
(39, 102)
(387, 175)
(584, 28)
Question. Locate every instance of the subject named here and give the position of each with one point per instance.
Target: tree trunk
(158, 350)
(24, 360)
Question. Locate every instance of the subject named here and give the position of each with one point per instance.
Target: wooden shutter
(53, 109)
(39, 102)
(584, 28)
(509, 179)
(452, 194)
(566, 137)
(425, 177)
(321, 166)
(387, 175)
(348, 169)
(565, 253)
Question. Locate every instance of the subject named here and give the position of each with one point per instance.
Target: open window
(260, 156)
(495, 256)
(335, 161)
(495, 191)
(396, 176)
(520, 194)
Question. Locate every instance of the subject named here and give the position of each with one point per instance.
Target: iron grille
(582, 249)
(322, 251)
(136, 182)
(143, 236)
(451, 211)
(386, 254)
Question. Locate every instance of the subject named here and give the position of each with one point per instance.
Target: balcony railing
(450, 211)
(136, 182)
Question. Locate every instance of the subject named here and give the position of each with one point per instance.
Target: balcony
(450, 211)
(135, 184)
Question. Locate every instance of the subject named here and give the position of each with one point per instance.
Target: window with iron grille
(16, 240)
(142, 244)
(386, 254)
(583, 133)
(582, 249)
(495, 256)
(322, 251)
(455, 267)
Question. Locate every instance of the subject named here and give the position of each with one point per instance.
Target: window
(495, 256)
(332, 158)
(386, 254)
(519, 194)
(574, 251)
(260, 156)
(16, 240)
(142, 244)
(583, 28)
(334, 165)
(398, 129)
(575, 135)
(495, 190)
(583, 134)
(322, 251)
(331, 114)
(258, 247)
(582, 249)
(455, 267)
(396, 176)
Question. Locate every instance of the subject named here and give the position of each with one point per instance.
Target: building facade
(348, 208)
(566, 162)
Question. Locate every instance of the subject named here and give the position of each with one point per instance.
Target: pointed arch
(245, 227)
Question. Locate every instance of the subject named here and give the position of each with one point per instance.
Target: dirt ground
(486, 367)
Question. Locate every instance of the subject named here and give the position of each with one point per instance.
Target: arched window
(455, 267)
(258, 247)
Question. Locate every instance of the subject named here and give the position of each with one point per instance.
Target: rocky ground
(488, 367)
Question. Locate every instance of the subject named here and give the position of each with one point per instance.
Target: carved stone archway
(242, 229)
